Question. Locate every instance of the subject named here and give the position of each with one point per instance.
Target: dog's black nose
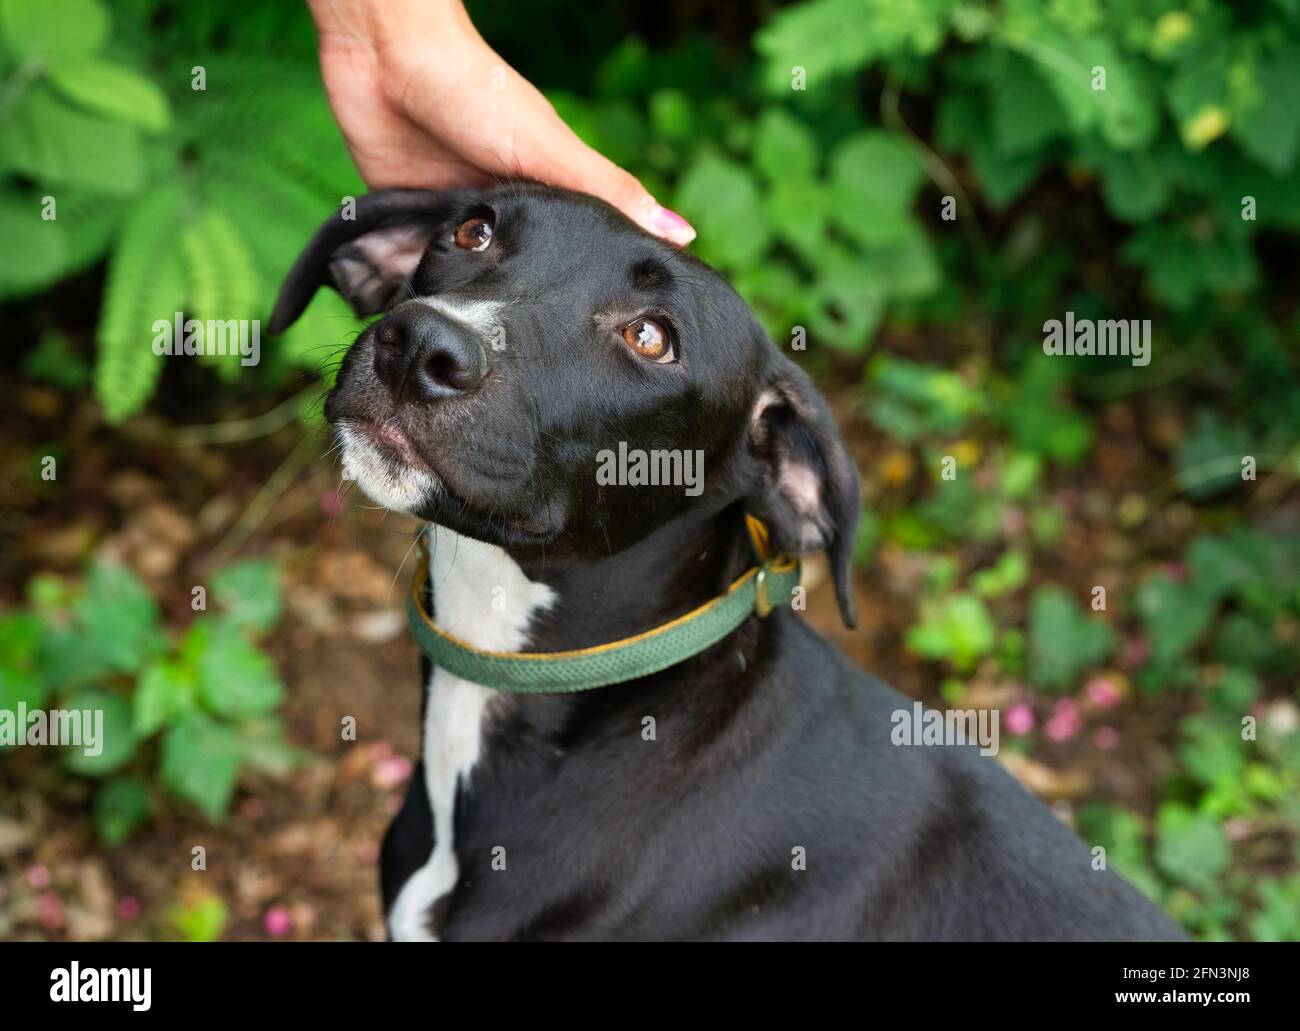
(422, 355)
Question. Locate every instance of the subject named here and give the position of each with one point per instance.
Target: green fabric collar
(758, 590)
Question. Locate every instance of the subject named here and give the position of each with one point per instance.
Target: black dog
(749, 792)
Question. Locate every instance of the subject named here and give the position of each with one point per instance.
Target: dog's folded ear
(808, 489)
(367, 252)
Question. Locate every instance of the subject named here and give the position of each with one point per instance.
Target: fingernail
(672, 226)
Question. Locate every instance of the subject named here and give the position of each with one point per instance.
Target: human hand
(422, 100)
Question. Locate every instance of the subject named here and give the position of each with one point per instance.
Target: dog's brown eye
(650, 340)
(473, 234)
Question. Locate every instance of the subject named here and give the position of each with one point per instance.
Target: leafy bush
(195, 213)
(196, 713)
(952, 174)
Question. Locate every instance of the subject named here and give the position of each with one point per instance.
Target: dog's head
(530, 337)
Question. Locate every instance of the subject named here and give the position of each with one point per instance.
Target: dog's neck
(671, 571)
(494, 601)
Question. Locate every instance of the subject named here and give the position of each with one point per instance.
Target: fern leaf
(223, 280)
(146, 282)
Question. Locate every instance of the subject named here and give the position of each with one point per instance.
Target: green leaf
(1209, 456)
(1076, 66)
(1190, 848)
(910, 399)
(1066, 64)
(200, 919)
(1235, 691)
(48, 29)
(907, 268)
(21, 634)
(1242, 641)
(845, 305)
(1130, 115)
(107, 718)
(249, 592)
(1003, 177)
(873, 183)
(722, 201)
(1225, 563)
(1198, 97)
(35, 252)
(776, 291)
(799, 213)
(235, 678)
(834, 37)
(1021, 472)
(1278, 918)
(222, 276)
(165, 693)
(145, 285)
(1182, 265)
(1133, 186)
(1269, 128)
(1040, 415)
(21, 679)
(55, 362)
(672, 114)
(1212, 751)
(1026, 115)
(200, 763)
(1123, 835)
(784, 148)
(48, 140)
(117, 619)
(1176, 615)
(121, 805)
(120, 93)
(956, 627)
(1063, 640)
(1006, 575)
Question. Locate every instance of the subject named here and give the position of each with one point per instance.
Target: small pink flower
(1020, 719)
(51, 911)
(253, 808)
(277, 922)
(38, 876)
(128, 907)
(391, 772)
(1136, 652)
(1064, 722)
(1106, 738)
(1176, 571)
(1102, 693)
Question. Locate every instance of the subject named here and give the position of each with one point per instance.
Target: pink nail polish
(673, 226)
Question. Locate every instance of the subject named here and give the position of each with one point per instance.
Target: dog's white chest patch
(481, 596)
